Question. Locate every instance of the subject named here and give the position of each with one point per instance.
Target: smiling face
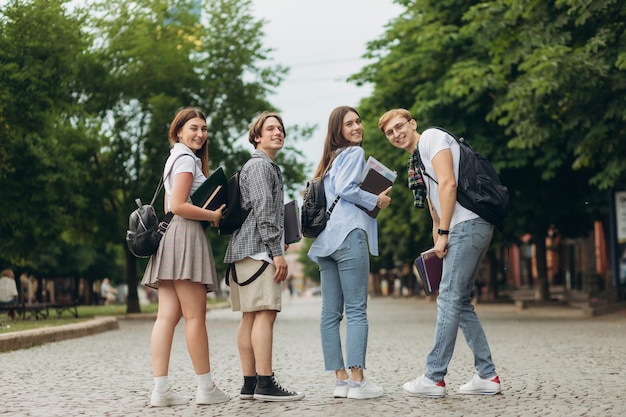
(193, 134)
(271, 138)
(352, 128)
(401, 133)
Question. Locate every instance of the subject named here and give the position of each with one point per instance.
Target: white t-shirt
(433, 141)
(8, 289)
(178, 163)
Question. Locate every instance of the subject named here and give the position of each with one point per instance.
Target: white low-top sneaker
(364, 390)
(341, 388)
(211, 396)
(425, 387)
(479, 386)
(166, 399)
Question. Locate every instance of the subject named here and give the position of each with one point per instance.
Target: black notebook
(375, 183)
(292, 223)
(375, 179)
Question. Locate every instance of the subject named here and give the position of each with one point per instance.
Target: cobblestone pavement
(552, 362)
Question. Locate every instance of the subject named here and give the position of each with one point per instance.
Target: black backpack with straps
(234, 214)
(479, 188)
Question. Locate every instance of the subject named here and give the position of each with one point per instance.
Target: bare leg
(262, 337)
(163, 330)
(244, 343)
(192, 297)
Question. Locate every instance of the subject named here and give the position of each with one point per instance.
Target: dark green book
(212, 193)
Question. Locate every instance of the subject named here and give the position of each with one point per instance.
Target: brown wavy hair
(334, 141)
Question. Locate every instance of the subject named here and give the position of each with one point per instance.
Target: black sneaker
(268, 389)
(247, 391)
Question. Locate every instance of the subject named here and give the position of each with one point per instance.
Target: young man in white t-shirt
(461, 238)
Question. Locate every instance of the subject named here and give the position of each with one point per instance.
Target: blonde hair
(390, 115)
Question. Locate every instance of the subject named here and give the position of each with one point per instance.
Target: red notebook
(429, 268)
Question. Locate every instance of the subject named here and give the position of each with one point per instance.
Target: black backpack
(234, 214)
(313, 216)
(479, 189)
(145, 231)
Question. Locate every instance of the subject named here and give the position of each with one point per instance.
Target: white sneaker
(341, 388)
(477, 385)
(211, 396)
(425, 387)
(171, 397)
(364, 390)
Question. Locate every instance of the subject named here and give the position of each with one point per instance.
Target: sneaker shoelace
(280, 387)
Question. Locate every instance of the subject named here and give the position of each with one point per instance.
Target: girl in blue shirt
(342, 251)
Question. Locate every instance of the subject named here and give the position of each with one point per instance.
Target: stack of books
(375, 179)
(429, 268)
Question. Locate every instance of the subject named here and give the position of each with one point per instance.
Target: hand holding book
(377, 179)
(429, 269)
(383, 199)
(211, 195)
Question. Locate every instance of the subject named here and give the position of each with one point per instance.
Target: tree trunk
(542, 289)
(491, 289)
(132, 301)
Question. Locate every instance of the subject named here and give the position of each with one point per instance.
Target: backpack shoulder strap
(446, 131)
(161, 184)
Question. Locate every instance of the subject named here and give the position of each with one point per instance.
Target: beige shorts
(261, 294)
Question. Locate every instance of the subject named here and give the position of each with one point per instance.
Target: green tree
(45, 154)
(535, 86)
(154, 57)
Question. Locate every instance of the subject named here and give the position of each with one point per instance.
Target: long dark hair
(334, 139)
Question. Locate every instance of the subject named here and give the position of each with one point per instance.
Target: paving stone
(552, 362)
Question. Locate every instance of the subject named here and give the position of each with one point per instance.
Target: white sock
(205, 381)
(160, 384)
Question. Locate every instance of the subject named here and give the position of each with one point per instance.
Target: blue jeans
(467, 245)
(344, 280)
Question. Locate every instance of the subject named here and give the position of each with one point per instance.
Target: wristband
(443, 232)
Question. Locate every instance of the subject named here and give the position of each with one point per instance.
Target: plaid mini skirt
(184, 254)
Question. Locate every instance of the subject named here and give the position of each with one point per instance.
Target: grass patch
(85, 313)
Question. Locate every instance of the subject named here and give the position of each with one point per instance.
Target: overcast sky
(322, 42)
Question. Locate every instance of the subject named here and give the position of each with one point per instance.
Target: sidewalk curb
(30, 338)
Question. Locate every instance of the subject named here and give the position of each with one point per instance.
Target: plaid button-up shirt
(261, 184)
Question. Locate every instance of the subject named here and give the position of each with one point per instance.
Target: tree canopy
(87, 97)
(535, 86)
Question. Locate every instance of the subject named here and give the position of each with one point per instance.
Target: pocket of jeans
(482, 232)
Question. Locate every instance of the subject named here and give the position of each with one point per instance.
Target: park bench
(42, 310)
(7, 309)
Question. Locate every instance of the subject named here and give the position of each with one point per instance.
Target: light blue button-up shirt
(343, 180)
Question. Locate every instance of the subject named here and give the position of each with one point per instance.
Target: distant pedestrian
(461, 239)
(8, 292)
(257, 250)
(342, 251)
(183, 269)
(107, 292)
